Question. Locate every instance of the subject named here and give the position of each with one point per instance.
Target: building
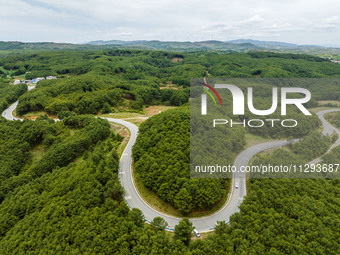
(36, 80)
(28, 82)
(51, 77)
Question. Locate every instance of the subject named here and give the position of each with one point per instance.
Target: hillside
(241, 45)
(59, 186)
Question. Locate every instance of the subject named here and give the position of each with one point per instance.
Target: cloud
(329, 23)
(284, 27)
(126, 34)
(333, 19)
(326, 25)
(254, 19)
(298, 21)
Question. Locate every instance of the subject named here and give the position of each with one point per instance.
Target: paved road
(207, 223)
(203, 224)
(8, 112)
(327, 130)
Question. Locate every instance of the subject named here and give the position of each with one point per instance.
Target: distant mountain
(171, 45)
(265, 44)
(241, 45)
(273, 44)
(14, 45)
(115, 42)
(233, 45)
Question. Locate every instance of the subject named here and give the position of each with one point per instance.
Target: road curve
(8, 113)
(202, 224)
(328, 129)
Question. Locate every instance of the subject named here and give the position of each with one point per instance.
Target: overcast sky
(77, 21)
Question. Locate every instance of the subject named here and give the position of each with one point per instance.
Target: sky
(80, 21)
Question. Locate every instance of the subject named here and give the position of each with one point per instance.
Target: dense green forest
(312, 146)
(162, 155)
(137, 78)
(9, 93)
(334, 155)
(59, 188)
(334, 118)
(78, 208)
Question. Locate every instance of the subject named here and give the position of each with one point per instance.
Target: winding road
(327, 130)
(202, 224)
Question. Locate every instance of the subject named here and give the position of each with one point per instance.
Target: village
(35, 80)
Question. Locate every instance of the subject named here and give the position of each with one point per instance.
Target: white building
(51, 77)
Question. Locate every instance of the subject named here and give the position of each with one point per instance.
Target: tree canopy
(59, 186)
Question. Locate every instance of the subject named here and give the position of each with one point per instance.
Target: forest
(334, 155)
(312, 146)
(9, 94)
(88, 80)
(162, 154)
(78, 208)
(59, 187)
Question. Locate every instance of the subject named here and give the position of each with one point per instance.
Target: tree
(221, 227)
(183, 231)
(159, 223)
(106, 108)
(137, 217)
(65, 114)
(183, 201)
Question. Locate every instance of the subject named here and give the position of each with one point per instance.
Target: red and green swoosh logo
(213, 90)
